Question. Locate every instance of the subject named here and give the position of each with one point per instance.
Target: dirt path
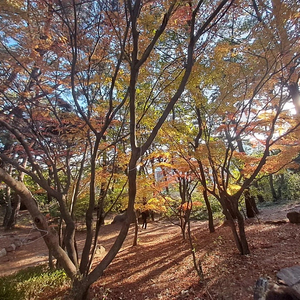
(34, 251)
(161, 267)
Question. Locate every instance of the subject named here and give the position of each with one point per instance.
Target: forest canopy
(114, 105)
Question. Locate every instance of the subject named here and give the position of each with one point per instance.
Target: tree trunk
(239, 237)
(197, 265)
(271, 181)
(8, 208)
(251, 208)
(253, 204)
(230, 207)
(209, 212)
(233, 229)
(50, 260)
(69, 241)
(281, 184)
(182, 226)
(40, 222)
(136, 231)
(242, 234)
(260, 198)
(80, 287)
(16, 204)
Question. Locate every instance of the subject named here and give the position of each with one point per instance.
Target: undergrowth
(30, 283)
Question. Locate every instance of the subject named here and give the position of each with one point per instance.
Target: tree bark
(251, 208)
(242, 233)
(8, 207)
(16, 204)
(40, 222)
(80, 287)
(274, 194)
(239, 237)
(209, 212)
(136, 230)
(233, 229)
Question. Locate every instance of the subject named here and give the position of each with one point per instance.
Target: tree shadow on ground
(164, 269)
(136, 269)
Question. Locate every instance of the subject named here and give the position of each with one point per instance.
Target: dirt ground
(161, 266)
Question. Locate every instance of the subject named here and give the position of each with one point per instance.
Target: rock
(290, 276)
(11, 248)
(18, 243)
(100, 250)
(294, 217)
(3, 252)
(119, 218)
(297, 287)
(266, 289)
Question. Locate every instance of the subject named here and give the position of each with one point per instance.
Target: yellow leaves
(63, 39)
(165, 164)
(233, 188)
(156, 204)
(12, 6)
(297, 15)
(159, 154)
(222, 50)
(267, 115)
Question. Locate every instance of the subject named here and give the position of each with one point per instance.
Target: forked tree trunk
(40, 222)
(239, 236)
(80, 287)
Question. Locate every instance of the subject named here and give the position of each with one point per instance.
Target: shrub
(31, 282)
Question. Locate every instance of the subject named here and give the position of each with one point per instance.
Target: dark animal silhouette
(266, 290)
(145, 215)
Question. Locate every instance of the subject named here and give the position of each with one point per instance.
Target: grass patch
(32, 282)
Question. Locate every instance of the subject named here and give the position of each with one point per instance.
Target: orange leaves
(182, 15)
(189, 205)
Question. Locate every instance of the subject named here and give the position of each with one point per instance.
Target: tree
(240, 116)
(81, 65)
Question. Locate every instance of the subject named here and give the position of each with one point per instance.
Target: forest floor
(161, 266)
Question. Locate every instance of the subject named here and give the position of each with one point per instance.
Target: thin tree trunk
(136, 231)
(233, 229)
(197, 265)
(271, 181)
(242, 233)
(249, 206)
(253, 204)
(8, 208)
(281, 184)
(209, 212)
(14, 211)
(50, 260)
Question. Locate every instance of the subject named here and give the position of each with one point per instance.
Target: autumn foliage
(107, 103)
